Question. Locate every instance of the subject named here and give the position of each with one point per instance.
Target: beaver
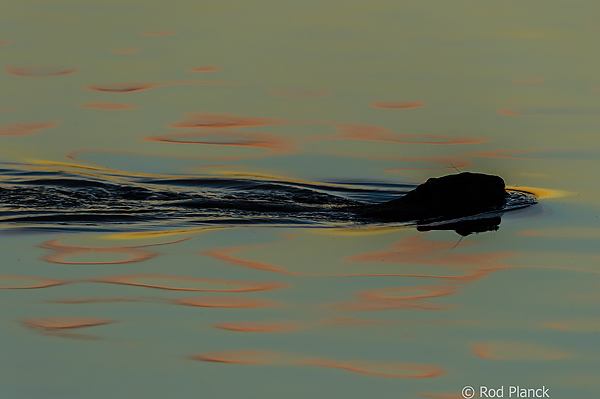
(465, 202)
(443, 198)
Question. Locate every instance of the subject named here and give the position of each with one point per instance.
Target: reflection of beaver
(443, 198)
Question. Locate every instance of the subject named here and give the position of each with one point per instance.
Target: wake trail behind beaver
(48, 198)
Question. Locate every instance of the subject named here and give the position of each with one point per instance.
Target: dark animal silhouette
(445, 197)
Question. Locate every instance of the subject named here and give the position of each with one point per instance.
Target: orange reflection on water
(465, 278)
(338, 321)
(107, 106)
(166, 282)
(27, 282)
(25, 129)
(224, 255)
(228, 137)
(38, 71)
(139, 86)
(205, 68)
(417, 249)
(398, 104)
(227, 302)
(383, 294)
(299, 93)
(60, 326)
(216, 120)
(382, 369)
(52, 323)
(385, 298)
(379, 133)
(248, 326)
(579, 325)
(124, 87)
(517, 351)
(565, 232)
(62, 251)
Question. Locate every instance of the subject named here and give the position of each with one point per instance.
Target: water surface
(112, 114)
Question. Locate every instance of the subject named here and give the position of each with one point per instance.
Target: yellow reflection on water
(542, 193)
(137, 235)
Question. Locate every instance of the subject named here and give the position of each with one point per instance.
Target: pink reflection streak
(217, 120)
(130, 279)
(140, 86)
(348, 131)
(38, 71)
(414, 249)
(379, 299)
(204, 302)
(25, 129)
(221, 129)
(224, 254)
(62, 251)
(242, 286)
(417, 249)
(289, 326)
(227, 302)
(107, 106)
(38, 282)
(52, 323)
(259, 326)
(516, 351)
(277, 144)
(61, 326)
(378, 368)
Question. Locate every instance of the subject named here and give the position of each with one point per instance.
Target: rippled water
(178, 181)
(48, 200)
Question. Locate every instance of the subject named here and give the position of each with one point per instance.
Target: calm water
(150, 103)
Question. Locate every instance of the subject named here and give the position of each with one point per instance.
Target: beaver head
(444, 197)
(461, 193)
